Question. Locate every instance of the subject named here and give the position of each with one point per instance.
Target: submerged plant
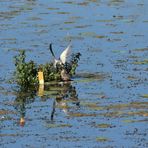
(27, 72)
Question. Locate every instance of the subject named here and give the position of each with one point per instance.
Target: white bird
(63, 57)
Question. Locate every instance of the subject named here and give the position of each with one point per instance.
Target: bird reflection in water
(62, 93)
(65, 95)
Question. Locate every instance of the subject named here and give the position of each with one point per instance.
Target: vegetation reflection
(62, 93)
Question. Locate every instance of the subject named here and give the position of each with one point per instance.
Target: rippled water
(106, 103)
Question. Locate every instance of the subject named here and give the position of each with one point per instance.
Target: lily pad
(89, 77)
(81, 115)
(62, 12)
(5, 112)
(104, 125)
(58, 125)
(51, 8)
(69, 2)
(113, 114)
(102, 139)
(118, 51)
(146, 21)
(133, 57)
(133, 121)
(87, 34)
(68, 38)
(131, 78)
(92, 106)
(100, 36)
(9, 135)
(119, 32)
(139, 113)
(83, 3)
(82, 26)
(144, 62)
(145, 96)
(142, 49)
(69, 22)
(106, 21)
(137, 105)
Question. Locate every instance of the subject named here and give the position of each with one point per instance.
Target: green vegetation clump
(27, 72)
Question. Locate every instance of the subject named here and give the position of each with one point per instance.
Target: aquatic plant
(27, 72)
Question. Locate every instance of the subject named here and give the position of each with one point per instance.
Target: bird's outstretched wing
(50, 48)
(65, 54)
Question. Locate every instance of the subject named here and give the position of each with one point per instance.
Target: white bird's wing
(65, 54)
(56, 62)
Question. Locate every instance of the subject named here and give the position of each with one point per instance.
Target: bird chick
(64, 75)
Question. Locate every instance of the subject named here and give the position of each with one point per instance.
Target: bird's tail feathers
(50, 48)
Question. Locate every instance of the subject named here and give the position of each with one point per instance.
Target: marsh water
(106, 103)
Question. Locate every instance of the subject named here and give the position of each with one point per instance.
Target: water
(106, 103)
